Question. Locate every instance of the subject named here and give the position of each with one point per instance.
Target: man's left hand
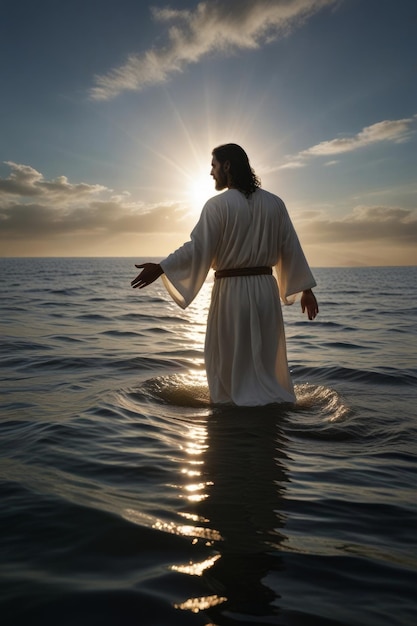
(309, 304)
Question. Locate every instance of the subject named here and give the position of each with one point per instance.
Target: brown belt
(243, 271)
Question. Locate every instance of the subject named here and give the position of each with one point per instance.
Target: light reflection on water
(242, 480)
(200, 604)
(229, 481)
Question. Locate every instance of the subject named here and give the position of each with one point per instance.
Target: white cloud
(212, 27)
(394, 131)
(292, 165)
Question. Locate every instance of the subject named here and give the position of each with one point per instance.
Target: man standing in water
(242, 234)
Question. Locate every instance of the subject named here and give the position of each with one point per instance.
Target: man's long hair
(242, 175)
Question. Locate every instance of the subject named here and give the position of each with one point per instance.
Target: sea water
(127, 499)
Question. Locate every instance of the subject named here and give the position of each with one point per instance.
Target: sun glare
(200, 189)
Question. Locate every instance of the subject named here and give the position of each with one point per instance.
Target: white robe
(245, 349)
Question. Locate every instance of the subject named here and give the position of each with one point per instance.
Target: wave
(176, 390)
(192, 391)
(391, 376)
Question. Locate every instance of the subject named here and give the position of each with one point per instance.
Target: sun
(200, 189)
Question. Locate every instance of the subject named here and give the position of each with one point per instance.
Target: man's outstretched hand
(149, 273)
(309, 304)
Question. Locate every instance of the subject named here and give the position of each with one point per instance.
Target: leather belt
(243, 271)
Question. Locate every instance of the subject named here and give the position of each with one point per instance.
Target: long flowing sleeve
(186, 269)
(293, 272)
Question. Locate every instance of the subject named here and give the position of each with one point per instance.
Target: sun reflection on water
(187, 530)
(187, 438)
(200, 604)
(194, 490)
(196, 444)
(196, 569)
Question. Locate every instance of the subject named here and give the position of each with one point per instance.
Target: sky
(109, 111)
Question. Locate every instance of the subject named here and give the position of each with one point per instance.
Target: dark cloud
(391, 225)
(24, 180)
(57, 216)
(22, 220)
(63, 208)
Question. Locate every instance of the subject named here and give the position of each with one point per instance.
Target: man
(242, 233)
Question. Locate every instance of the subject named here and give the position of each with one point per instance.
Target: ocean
(128, 500)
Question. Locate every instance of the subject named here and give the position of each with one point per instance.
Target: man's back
(249, 231)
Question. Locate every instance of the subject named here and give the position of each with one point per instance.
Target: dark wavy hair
(241, 174)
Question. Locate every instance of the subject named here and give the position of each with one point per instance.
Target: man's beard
(221, 182)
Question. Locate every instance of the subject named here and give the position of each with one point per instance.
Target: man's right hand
(150, 272)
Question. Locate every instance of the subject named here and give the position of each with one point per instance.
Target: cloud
(291, 165)
(39, 216)
(25, 181)
(31, 207)
(382, 224)
(212, 27)
(394, 131)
